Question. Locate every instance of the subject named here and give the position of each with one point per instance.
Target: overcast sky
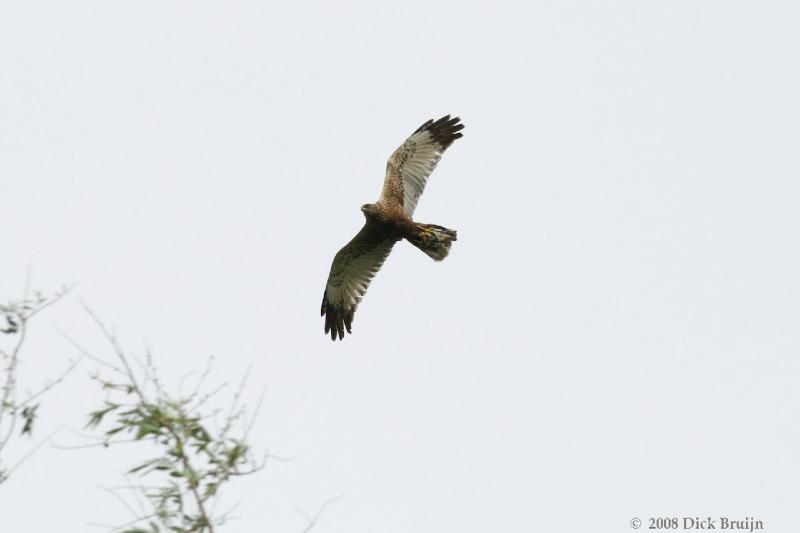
(614, 335)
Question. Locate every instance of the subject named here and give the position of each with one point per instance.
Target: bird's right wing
(409, 166)
(351, 273)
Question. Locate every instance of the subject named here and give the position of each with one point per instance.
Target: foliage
(195, 454)
(18, 412)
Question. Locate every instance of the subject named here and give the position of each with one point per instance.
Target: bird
(388, 221)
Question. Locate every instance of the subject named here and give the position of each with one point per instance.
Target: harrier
(388, 221)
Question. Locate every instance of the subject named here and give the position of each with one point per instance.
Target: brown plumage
(388, 221)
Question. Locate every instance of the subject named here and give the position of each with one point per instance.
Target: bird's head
(368, 209)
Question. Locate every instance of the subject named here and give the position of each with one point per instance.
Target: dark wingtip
(444, 131)
(337, 320)
(424, 126)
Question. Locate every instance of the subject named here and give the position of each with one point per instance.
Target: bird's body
(388, 221)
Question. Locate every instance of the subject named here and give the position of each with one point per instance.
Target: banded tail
(433, 240)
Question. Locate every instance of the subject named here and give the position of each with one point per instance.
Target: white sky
(615, 333)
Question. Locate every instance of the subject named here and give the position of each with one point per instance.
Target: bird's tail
(433, 240)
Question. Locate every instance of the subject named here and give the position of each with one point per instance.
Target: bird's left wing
(410, 165)
(351, 273)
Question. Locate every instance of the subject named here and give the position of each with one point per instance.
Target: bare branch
(113, 529)
(13, 411)
(30, 453)
(87, 354)
(73, 364)
(312, 520)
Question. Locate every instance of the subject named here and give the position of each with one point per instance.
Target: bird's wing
(410, 165)
(351, 272)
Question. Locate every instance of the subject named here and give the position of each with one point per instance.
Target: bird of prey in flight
(388, 221)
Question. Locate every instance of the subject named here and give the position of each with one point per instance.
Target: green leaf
(28, 415)
(201, 434)
(114, 431)
(12, 326)
(96, 417)
(143, 466)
